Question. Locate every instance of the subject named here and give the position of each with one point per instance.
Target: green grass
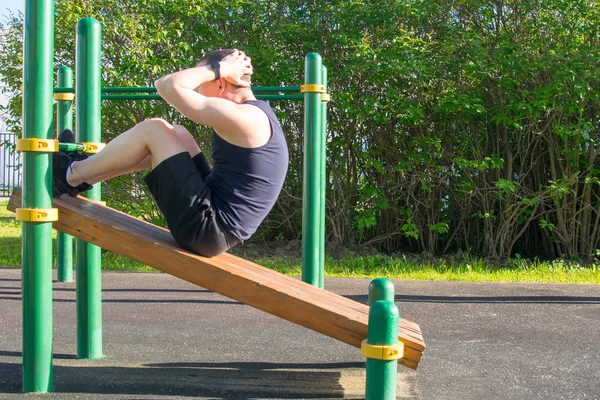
(467, 269)
(10, 238)
(478, 270)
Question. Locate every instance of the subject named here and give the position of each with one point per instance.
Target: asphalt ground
(167, 339)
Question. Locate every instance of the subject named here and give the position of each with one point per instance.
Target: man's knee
(158, 124)
(159, 130)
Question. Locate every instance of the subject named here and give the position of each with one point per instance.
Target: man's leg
(145, 164)
(144, 146)
(186, 139)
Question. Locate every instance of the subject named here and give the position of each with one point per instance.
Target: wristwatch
(216, 66)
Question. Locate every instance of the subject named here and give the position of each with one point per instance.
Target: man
(207, 211)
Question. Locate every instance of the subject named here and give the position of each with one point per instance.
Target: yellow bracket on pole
(312, 88)
(386, 353)
(325, 98)
(37, 145)
(92, 147)
(36, 214)
(64, 96)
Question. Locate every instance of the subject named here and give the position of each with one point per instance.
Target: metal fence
(10, 164)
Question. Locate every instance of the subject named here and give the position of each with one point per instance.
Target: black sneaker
(66, 136)
(61, 162)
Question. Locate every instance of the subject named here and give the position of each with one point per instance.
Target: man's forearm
(189, 78)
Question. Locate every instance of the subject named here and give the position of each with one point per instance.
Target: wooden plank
(239, 279)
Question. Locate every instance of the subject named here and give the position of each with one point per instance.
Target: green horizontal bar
(280, 97)
(146, 89)
(111, 90)
(71, 147)
(157, 97)
(131, 97)
(287, 89)
(152, 89)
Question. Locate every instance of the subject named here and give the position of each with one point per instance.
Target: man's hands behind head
(234, 66)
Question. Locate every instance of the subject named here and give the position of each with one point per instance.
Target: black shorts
(177, 185)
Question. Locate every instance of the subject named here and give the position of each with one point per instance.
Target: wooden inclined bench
(231, 276)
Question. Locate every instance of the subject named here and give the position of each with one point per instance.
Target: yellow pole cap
(386, 353)
(64, 96)
(93, 148)
(312, 88)
(36, 214)
(37, 145)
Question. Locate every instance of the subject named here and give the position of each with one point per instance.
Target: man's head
(218, 55)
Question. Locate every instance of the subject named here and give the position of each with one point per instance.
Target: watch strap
(216, 67)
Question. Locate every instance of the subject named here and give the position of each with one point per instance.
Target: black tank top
(245, 182)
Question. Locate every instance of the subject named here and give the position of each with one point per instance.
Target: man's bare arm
(229, 119)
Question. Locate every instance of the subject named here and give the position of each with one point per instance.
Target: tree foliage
(462, 124)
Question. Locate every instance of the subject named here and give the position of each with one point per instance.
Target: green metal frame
(37, 236)
(314, 186)
(37, 242)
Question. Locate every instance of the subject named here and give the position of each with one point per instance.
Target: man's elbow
(163, 85)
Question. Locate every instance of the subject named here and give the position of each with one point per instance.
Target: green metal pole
(88, 259)
(36, 279)
(64, 120)
(311, 208)
(383, 331)
(322, 184)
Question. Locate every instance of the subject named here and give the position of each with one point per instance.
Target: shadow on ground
(247, 380)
